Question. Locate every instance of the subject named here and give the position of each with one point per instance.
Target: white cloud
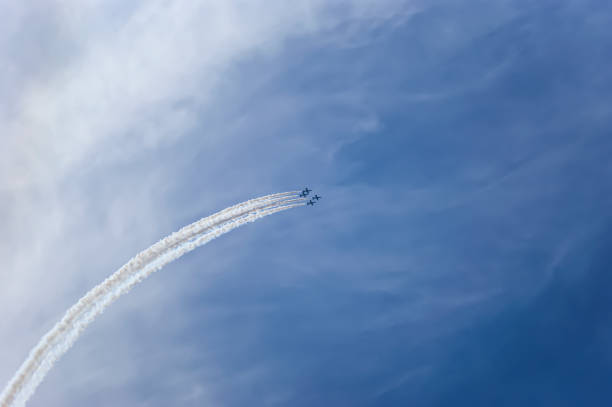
(124, 85)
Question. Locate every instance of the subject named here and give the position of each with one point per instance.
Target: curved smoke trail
(63, 335)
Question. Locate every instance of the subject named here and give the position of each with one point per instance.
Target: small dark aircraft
(306, 191)
(317, 197)
(310, 203)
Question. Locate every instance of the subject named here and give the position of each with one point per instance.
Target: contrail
(63, 335)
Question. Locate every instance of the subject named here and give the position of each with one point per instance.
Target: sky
(460, 254)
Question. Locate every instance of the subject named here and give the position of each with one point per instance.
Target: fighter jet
(305, 192)
(317, 197)
(310, 203)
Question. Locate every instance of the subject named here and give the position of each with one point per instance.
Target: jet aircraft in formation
(311, 202)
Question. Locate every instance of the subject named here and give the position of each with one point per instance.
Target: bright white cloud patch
(123, 79)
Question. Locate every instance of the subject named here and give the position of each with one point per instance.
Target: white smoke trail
(61, 337)
(136, 263)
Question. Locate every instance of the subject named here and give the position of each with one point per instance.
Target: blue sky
(459, 255)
